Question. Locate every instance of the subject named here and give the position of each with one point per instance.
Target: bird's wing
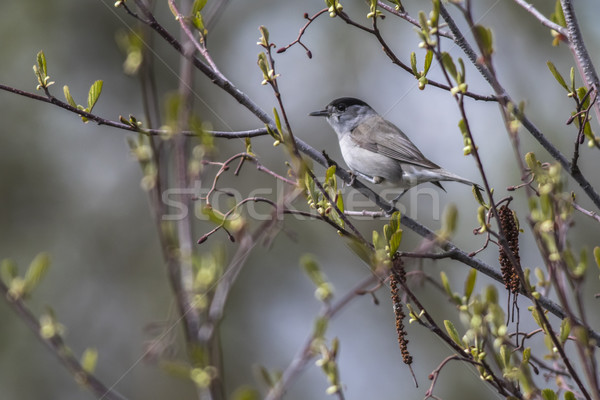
(381, 136)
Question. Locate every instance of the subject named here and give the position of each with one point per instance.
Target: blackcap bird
(377, 150)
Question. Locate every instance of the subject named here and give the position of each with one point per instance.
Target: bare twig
(405, 16)
(501, 94)
(589, 213)
(305, 354)
(542, 18)
(433, 376)
(392, 56)
(199, 44)
(582, 57)
(57, 346)
(301, 33)
(120, 125)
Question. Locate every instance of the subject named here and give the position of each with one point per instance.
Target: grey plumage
(378, 150)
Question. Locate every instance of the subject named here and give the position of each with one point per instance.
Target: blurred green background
(73, 190)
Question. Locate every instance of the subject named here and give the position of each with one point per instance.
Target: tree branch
(580, 52)
(542, 18)
(505, 100)
(57, 346)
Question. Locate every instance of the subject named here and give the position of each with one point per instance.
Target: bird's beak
(322, 113)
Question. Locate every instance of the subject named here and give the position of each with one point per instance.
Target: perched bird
(377, 150)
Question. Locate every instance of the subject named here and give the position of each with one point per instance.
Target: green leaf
(173, 10)
(558, 16)
(399, 6)
(470, 283)
(569, 396)
(481, 218)
(89, 360)
(215, 216)
(450, 219)
(266, 376)
(597, 255)
(565, 329)
(395, 221)
(198, 6)
(413, 64)
(435, 14)
(311, 268)
(395, 242)
(36, 271)
(340, 204)
(526, 355)
(423, 21)
(41, 62)
(581, 334)
(548, 394)
(504, 356)
(484, 39)
(377, 242)
(478, 196)
(94, 94)
(462, 74)
(278, 123)
(462, 125)
(446, 283)
(68, 96)
(246, 393)
(264, 32)
(8, 271)
(428, 60)
(330, 173)
(531, 160)
(536, 318)
(360, 249)
(581, 92)
(452, 332)
(448, 63)
(198, 23)
(557, 76)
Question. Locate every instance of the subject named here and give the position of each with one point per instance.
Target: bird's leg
(395, 200)
(352, 178)
(373, 179)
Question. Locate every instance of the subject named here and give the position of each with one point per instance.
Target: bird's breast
(370, 163)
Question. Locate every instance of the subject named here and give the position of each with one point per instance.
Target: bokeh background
(73, 190)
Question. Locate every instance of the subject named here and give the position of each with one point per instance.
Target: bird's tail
(449, 176)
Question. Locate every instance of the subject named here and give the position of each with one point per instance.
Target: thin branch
(392, 56)
(301, 33)
(542, 18)
(436, 372)
(460, 40)
(404, 15)
(589, 213)
(120, 125)
(200, 45)
(305, 354)
(458, 254)
(366, 213)
(57, 346)
(431, 256)
(582, 56)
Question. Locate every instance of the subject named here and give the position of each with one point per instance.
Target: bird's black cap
(342, 102)
(348, 101)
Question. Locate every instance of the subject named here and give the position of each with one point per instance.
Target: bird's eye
(341, 107)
